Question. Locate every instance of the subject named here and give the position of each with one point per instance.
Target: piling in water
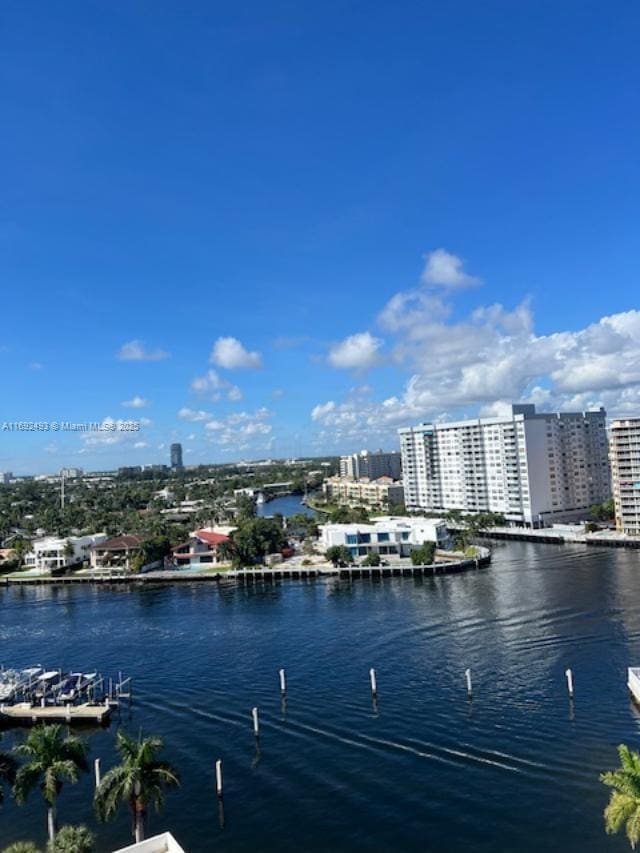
(219, 778)
(569, 675)
(256, 722)
(467, 675)
(374, 683)
(283, 681)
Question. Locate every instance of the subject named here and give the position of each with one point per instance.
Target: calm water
(515, 770)
(288, 505)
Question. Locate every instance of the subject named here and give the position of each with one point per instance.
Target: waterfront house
(116, 552)
(52, 553)
(394, 536)
(200, 549)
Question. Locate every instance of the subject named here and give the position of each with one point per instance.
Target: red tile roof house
(200, 549)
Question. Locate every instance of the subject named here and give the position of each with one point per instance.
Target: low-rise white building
(390, 535)
(53, 552)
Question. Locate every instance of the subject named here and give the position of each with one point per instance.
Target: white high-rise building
(532, 468)
(625, 469)
(371, 464)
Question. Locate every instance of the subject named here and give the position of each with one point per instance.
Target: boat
(73, 685)
(46, 682)
(633, 682)
(9, 682)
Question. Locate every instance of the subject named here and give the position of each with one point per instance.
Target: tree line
(52, 758)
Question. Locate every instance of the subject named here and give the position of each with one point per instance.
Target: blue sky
(356, 215)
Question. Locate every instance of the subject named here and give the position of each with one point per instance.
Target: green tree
(73, 839)
(21, 847)
(8, 768)
(52, 759)
(255, 538)
(68, 549)
(424, 555)
(21, 548)
(371, 559)
(245, 508)
(139, 780)
(339, 555)
(623, 809)
(226, 551)
(605, 511)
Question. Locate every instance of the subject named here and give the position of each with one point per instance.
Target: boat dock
(25, 712)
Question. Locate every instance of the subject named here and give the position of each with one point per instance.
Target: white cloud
(231, 354)
(36, 365)
(444, 269)
(140, 444)
(135, 351)
(241, 431)
(485, 361)
(136, 402)
(215, 387)
(187, 414)
(357, 352)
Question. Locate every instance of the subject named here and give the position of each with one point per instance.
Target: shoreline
(262, 574)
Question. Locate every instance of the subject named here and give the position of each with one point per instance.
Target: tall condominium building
(624, 446)
(176, 455)
(532, 468)
(371, 465)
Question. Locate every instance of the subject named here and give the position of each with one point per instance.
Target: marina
(35, 694)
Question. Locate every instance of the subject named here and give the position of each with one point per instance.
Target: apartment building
(534, 468)
(383, 492)
(624, 448)
(372, 465)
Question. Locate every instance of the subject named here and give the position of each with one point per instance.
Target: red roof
(211, 538)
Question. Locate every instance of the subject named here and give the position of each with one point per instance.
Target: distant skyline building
(176, 456)
(5, 477)
(532, 468)
(371, 465)
(71, 473)
(624, 449)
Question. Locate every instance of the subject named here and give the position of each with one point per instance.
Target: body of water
(287, 505)
(423, 768)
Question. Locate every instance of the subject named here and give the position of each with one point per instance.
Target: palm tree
(73, 839)
(52, 758)
(8, 767)
(21, 847)
(623, 809)
(140, 780)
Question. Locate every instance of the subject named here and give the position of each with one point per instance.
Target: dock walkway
(24, 712)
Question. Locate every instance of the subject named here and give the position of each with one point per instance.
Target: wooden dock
(24, 712)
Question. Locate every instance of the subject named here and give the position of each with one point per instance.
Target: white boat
(9, 681)
(633, 682)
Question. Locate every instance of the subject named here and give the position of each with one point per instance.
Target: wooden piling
(374, 683)
(467, 675)
(569, 675)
